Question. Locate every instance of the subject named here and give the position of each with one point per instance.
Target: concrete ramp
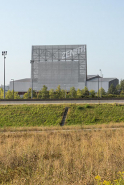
(64, 116)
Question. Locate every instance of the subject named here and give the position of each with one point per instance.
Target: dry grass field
(61, 157)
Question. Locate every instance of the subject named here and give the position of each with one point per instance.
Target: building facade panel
(59, 65)
(20, 86)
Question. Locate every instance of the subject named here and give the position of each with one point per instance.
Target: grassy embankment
(95, 114)
(30, 115)
(51, 115)
(61, 157)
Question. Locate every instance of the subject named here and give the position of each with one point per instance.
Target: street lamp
(13, 87)
(98, 86)
(65, 90)
(31, 61)
(4, 53)
(101, 83)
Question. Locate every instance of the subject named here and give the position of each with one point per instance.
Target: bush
(87, 106)
(80, 107)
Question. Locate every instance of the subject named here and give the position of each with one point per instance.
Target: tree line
(59, 93)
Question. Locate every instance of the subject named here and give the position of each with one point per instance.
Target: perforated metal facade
(64, 65)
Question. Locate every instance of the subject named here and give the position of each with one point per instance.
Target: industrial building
(64, 65)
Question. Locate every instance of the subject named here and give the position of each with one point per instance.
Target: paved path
(68, 130)
(62, 102)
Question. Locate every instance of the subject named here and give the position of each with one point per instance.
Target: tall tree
(63, 93)
(85, 91)
(112, 90)
(1, 93)
(27, 95)
(52, 94)
(122, 85)
(58, 92)
(101, 92)
(79, 93)
(43, 93)
(122, 93)
(72, 92)
(92, 93)
(118, 88)
(9, 95)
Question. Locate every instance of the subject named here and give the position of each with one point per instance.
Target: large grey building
(64, 65)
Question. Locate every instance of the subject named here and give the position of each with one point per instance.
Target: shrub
(87, 106)
(80, 107)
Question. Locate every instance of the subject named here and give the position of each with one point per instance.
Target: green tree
(85, 91)
(1, 93)
(112, 90)
(122, 93)
(72, 92)
(52, 94)
(43, 93)
(58, 92)
(122, 85)
(9, 95)
(79, 93)
(118, 88)
(63, 93)
(101, 92)
(16, 95)
(92, 93)
(27, 95)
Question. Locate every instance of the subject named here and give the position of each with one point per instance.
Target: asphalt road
(62, 102)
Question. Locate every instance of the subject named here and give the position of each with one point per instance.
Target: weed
(62, 157)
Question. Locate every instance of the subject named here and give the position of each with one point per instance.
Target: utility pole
(98, 86)
(13, 87)
(31, 61)
(65, 90)
(4, 53)
(101, 83)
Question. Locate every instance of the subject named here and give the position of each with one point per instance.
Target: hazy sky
(97, 23)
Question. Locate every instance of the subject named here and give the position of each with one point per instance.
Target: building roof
(23, 80)
(95, 78)
(89, 77)
(108, 79)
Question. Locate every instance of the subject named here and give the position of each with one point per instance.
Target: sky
(97, 23)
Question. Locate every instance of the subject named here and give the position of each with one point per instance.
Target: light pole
(31, 61)
(65, 90)
(101, 83)
(13, 87)
(98, 86)
(4, 53)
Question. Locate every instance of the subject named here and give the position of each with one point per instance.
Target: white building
(93, 82)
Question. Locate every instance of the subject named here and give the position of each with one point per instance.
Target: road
(64, 130)
(62, 102)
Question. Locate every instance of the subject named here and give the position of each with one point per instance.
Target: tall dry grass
(61, 157)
